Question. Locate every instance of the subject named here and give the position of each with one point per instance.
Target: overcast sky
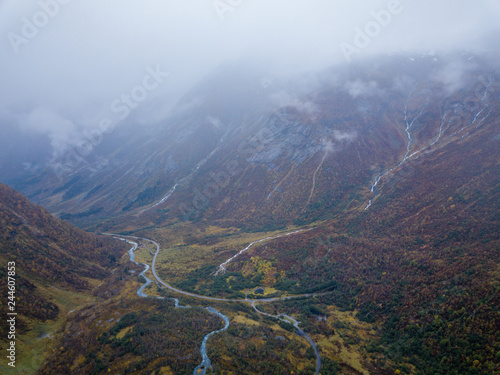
(62, 71)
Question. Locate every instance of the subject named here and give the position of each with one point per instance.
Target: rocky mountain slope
(250, 154)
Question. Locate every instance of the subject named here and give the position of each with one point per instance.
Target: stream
(205, 363)
(407, 155)
(222, 268)
(181, 181)
(288, 319)
(448, 116)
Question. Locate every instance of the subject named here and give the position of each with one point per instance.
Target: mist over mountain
(316, 142)
(280, 187)
(55, 90)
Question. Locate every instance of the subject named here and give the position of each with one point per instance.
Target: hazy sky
(65, 62)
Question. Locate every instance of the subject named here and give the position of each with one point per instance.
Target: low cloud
(76, 58)
(344, 137)
(61, 131)
(284, 99)
(361, 88)
(453, 75)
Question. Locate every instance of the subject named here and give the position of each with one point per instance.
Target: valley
(351, 231)
(201, 369)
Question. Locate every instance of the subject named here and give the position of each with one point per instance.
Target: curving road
(206, 361)
(205, 364)
(299, 332)
(199, 296)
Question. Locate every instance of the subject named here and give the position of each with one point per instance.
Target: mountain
(374, 184)
(291, 153)
(55, 265)
(421, 262)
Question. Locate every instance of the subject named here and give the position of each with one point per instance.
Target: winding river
(288, 319)
(205, 364)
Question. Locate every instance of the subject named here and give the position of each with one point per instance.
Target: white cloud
(285, 99)
(342, 136)
(361, 88)
(61, 132)
(453, 74)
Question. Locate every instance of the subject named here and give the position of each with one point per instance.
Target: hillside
(422, 261)
(56, 264)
